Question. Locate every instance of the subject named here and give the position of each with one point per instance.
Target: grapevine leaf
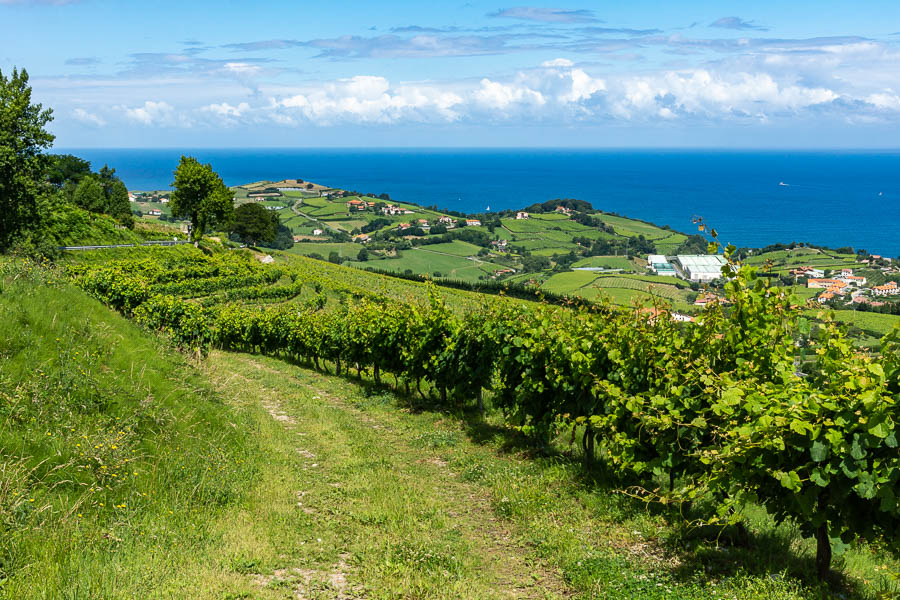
(819, 478)
(818, 451)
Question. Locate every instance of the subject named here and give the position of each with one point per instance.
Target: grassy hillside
(67, 225)
(117, 458)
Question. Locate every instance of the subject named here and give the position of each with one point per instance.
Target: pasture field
(630, 228)
(350, 249)
(606, 262)
(316, 202)
(424, 262)
(456, 248)
(329, 210)
(524, 225)
(669, 245)
(551, 251)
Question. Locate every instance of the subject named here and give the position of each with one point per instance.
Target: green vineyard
(742, 408)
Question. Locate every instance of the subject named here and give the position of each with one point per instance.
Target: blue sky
(821, 74)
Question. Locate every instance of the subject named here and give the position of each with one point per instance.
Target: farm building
(701, 267)
(661, 265)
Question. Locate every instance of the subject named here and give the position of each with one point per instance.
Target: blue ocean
(753, 198)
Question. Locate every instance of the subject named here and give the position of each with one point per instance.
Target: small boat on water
(783, 184)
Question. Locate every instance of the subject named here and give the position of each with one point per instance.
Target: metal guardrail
(150, 243)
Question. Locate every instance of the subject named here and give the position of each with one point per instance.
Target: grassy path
(357, 504)
(364, 496)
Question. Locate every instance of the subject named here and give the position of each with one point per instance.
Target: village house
(448, 221)
(422, 222)
(857, 280)
(521, 215)
(297, 238)
(357, 205)
(391, 210)
(317, 232)
(888, 289)
(472, 222)
(807, 272)
(499, 244)
(361, 238)
(164, 199)
(564, 210)
(825, 297)
(154, 212)
(823, 283)
(402, 226)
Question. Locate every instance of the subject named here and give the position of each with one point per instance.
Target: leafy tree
(67, 168)
(23, 166)
(103, 193)
(201, 196)
(284, 239)
(89, 195)
(254, 224)
(363, 255)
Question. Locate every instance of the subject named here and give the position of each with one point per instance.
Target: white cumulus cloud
(89, 118)
(151, 113)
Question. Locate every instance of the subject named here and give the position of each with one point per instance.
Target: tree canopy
(66, 168)
(105, 193)
(254, 224)
(23, 165)
(201, 196)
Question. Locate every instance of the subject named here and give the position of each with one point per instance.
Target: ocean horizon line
(686, 149)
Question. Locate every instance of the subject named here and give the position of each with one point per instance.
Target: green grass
(875, 324)
(329, 210)
(425, 262)
(323, 249)
(525, 225)
(413, 503)
(114, 481)
(606, 262)
(315, 202)
(630, 228)
(456, 247)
